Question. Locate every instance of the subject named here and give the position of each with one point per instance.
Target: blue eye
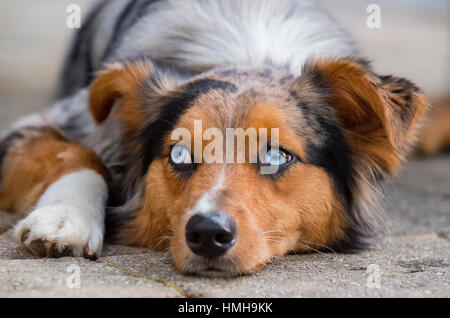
(276, 158)
(180, 154)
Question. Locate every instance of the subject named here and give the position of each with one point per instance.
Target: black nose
(210, 235)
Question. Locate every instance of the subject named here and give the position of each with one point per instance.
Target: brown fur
(377, 118)
(435, 134)
(123, 83)
(37, 161)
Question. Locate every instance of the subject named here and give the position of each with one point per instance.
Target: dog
(103, 160)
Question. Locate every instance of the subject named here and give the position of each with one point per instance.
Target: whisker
(274, 231)
(321, 245)
(271, 240)
(312, 248)
(166, 121)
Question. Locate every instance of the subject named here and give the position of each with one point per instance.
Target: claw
(38, 247)
(24, 236)
(88, 255)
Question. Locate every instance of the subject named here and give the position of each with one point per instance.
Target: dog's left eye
(180, 155)
(276, 157)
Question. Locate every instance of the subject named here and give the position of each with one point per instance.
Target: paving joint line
(159, 280)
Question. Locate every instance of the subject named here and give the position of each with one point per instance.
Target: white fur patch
(207, 202)
(202, 34)
(70, 214)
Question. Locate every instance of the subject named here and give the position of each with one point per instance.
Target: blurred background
(413, 42)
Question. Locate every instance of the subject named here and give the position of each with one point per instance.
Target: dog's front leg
(68, 219)
(63, 185)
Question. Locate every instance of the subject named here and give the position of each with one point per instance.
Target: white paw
(58, 230)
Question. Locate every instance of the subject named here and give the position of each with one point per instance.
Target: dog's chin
(221, 267)
(213, 273)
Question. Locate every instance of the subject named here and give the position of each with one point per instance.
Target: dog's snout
(210, 235)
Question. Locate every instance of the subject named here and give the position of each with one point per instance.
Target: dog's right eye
(181, 158)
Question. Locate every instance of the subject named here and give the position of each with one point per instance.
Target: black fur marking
(78, 71)
(153, 133)
(333, 154)
(403, 91)
(130, 15)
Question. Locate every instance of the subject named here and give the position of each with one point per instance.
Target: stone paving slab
(49, 278)
(24, 275)
(419, 200)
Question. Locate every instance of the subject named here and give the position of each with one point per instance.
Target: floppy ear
(379, 114)
(118, 82)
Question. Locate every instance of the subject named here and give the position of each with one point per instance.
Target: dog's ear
(379, 114)
(118, 82)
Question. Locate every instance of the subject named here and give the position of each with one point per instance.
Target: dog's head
(314, 149)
